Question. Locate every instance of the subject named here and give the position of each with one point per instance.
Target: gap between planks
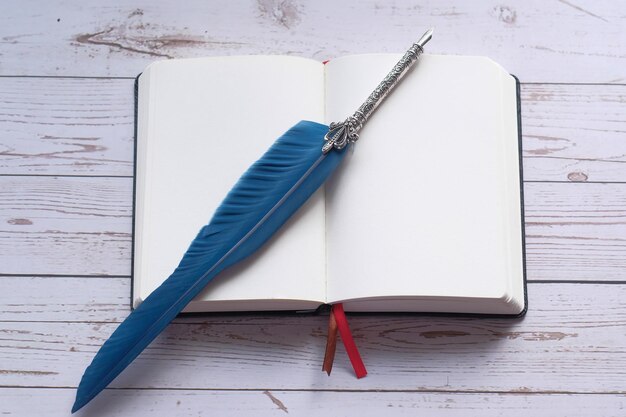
(88, 77)
(100, 276)
(311, 403)
(339, 390)
(130, 176)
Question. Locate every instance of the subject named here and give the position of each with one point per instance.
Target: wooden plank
(65, 225)
(68, 299)
(130, 403)
(71, 126)
(63, 126)
(566, 358)
(580, 41)
(574, 231)
(574, 133)
(568, 342)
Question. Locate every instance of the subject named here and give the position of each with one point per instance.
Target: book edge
(134, 197)
(322, 306)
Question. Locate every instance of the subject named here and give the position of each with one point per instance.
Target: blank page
(202, 123)
(427, 204)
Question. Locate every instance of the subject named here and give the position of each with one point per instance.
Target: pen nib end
(425, 38)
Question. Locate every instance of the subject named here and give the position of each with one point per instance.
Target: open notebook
(423, 216)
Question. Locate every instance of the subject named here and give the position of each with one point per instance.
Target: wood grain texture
(579, 41)
(575, 231)
(64, 299)
(149, 403)
(568, 342)
(67, 126)
(565, 358)
(82, 226)
(65, 225)
(574, 133)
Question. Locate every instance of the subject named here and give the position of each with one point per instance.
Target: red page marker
(348, 341)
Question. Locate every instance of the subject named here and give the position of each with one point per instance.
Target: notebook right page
(427, 205)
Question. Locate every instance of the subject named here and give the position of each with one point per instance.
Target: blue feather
(272, 189)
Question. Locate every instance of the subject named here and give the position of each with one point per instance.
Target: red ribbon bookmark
(338, 321)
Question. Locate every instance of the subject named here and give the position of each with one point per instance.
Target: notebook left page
(201, 123)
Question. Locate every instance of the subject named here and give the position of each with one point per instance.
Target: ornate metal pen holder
(343, 133)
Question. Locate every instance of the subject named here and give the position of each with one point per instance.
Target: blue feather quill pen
(263, 199)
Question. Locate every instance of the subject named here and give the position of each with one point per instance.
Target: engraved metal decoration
(342, 133)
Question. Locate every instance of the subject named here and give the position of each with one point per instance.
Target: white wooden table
(66, 148)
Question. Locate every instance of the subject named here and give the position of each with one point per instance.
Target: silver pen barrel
(340, 134)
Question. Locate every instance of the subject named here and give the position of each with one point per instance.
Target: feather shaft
(264, 198)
